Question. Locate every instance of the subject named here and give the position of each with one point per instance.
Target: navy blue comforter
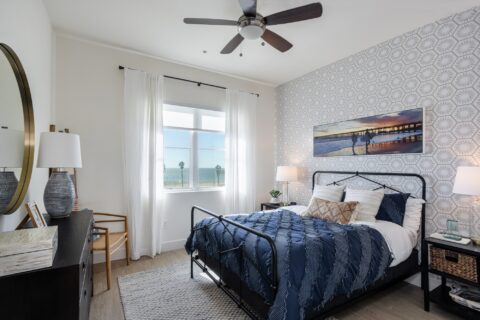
(317, 260)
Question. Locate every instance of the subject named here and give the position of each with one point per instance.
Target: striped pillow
(368, 203)
(330, 193)
(338, 212)
(413, 214)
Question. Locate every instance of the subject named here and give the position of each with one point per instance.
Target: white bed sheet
(400, 240)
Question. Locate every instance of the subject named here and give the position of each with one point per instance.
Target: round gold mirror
(17, 131)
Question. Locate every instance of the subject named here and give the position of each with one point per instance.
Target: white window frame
(194, 183)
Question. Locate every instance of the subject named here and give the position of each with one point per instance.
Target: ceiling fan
(252, 25)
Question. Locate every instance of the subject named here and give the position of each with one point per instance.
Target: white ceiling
(155, 27)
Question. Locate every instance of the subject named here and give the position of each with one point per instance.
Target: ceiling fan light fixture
(251, 32)
(251, 28)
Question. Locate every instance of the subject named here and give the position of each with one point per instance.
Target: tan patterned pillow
(338, 212)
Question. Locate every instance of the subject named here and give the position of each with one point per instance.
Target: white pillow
(329, 193)
(413, 214)
(368, 203)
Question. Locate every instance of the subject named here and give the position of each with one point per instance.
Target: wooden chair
(110, 242)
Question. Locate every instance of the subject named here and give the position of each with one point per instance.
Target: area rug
(169, 293)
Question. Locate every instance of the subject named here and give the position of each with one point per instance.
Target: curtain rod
(191, 81)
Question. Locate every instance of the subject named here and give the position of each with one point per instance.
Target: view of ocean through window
(194, 158)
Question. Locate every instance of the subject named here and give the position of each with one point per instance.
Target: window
(194, 142)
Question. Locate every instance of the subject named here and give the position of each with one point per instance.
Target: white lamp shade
(467, 181)
(286, 173)
(11, 148)
(59, 150)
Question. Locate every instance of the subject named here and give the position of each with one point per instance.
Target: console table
(62, 291)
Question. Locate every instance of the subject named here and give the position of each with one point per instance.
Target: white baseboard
(99, 256)
(173, 245)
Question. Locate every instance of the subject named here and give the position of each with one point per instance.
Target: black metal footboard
(194, 258)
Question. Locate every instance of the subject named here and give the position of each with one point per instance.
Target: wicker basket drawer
(454, 263)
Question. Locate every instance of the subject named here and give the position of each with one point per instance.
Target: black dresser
(62, 291)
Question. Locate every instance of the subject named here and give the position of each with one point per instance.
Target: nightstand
(273, 206)
(457, 262)
(269, 206)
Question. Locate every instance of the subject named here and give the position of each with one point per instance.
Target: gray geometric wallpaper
(436, 67)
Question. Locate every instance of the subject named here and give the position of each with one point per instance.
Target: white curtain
(240, 134)
(143, 154)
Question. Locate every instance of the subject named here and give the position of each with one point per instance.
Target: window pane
(211, 140)
(184, 126)
(177, 119)
(176, 171)
(211, 164)
(213, 123)
(177, 158)
(177, 138)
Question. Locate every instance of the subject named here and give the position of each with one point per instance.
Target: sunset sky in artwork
(385, 120)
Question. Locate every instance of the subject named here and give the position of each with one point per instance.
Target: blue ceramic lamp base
(8, 186)
(59, 195)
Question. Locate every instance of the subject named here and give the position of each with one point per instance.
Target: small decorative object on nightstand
(455, 262)
(275, 194)
(467, 182)
(59, 150)
(286, 174)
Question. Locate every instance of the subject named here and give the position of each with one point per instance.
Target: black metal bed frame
(238, 247)
(273, 281)
(356, 174)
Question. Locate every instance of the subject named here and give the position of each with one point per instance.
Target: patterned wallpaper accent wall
(436, 67)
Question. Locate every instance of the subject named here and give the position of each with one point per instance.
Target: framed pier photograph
(392, 133)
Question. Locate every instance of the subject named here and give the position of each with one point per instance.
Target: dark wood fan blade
(214, 22)
(249, 7)
(233, 44)
(276, 41)
(310, 11)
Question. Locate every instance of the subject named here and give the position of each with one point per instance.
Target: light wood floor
(403, 301)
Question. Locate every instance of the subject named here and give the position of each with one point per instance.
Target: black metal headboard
(364, 175)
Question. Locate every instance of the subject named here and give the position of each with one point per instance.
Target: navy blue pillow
(393, 208)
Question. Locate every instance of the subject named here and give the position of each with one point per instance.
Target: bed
(280, 265)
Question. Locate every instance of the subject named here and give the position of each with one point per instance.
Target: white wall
(89, 101)
(25, 27)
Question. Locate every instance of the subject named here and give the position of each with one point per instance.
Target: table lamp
(467, 182)
(11, 156)
(286, 174)
(58, 150)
